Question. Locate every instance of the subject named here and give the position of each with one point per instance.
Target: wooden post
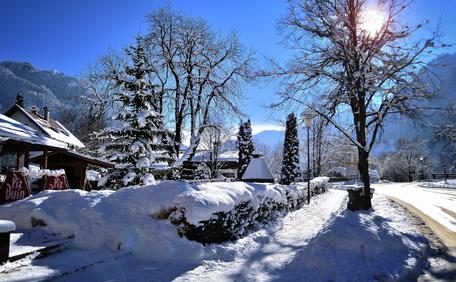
(45, 159)
(18, 156)
(27, 158)
(83, 168)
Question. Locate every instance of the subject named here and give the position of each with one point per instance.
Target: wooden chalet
(228, 162)
(23, 131)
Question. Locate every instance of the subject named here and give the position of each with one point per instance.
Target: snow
(335, 245)
(34, 172)
(229, 156)
(12, 129)
(92, 175)
(450, 183)
(129, 177)
(320, 242)
(7, 226)
(143, 162)
(149, 179)
(98, 219)
(436, 203)
(258, 169)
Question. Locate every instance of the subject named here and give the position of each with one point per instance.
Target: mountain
(270, 138)
(40, 88)
(443, 83)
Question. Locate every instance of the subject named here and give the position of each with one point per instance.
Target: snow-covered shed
(74, 163)
(258, 170)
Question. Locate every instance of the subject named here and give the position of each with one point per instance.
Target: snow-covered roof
(83, 156)
(201, 156)
(257, 169)
(11, 129)
(53, 128)
(228, 156)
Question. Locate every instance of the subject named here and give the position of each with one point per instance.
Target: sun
(372, 21)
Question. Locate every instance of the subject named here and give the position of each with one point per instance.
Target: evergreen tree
(138, 142)
(290, 164)
(19, 100)
(246, 147)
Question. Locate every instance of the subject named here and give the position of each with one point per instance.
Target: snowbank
(450, 183)
(383, 244)
(7, 226)
(107, 220)
(131, 219)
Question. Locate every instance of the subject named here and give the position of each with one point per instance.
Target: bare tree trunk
(363, 167)
(359, 115)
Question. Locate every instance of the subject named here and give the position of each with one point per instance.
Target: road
(435, 206)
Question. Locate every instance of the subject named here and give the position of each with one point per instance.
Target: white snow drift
(125, 219)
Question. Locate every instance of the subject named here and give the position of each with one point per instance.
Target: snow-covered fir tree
(290, 164)
(246, 147)
(19, 100)
(137, 142)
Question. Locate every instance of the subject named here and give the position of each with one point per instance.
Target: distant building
(227, 164)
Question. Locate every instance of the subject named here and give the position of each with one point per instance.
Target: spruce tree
(137, 142)
(19, 100)
(291, 170)
(246, 147)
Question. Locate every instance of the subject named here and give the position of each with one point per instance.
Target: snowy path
(439, 204)
(265, 251)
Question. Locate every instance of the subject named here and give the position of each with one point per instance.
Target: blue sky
(67, 35)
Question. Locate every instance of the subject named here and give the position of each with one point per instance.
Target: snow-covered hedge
(143, 220)
(249, 204)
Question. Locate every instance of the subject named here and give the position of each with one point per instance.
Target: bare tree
(344, 60)
(98, 103)
(445, 137)
(273, 157)
(410, 150)
(201, 72)
(212, 140)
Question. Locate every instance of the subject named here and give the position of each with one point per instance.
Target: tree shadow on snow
(355, 246)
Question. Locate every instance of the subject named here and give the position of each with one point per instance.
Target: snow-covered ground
(439, 204)
(131, 219)
(450, 183)
(320, 242)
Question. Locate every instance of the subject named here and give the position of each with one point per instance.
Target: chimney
(47, 113)
(34, 110)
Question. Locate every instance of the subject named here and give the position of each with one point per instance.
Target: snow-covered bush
(143, 220)
(266, 202)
